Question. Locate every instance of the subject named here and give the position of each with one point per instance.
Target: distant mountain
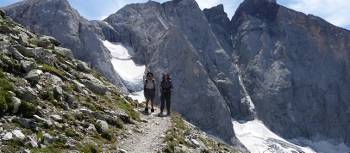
(296, 69)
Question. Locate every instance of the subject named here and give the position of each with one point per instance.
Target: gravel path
(146, 137)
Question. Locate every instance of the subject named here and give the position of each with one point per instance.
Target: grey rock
(47, 42)
(198, 143)
(27, 123)
(91, 129)
(48, 139)
(34, 75)
(16, 102)
(64, 52)
(17, 134)
(28, 65)
(7, 136)
(26, 151)
(56, 117)
(122, 151)
(102, 126)
(33, 142)
(47, 122)
(94, 84)
(58, 92)
(2, 14)
(17, 55)
(83, 67)
(26, 93)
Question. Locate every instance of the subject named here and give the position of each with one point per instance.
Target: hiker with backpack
(165, 86)
(149, 91)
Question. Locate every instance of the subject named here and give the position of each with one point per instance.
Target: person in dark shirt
(165, 86)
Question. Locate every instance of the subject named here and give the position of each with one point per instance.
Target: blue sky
(334, 11)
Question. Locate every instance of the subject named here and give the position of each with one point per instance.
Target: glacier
(131, 73)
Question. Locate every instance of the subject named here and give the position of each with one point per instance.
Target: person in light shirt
(149, 91)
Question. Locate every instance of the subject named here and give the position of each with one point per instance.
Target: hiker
(165, 87)
(149, 91)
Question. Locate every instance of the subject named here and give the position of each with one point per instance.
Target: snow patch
(259, 139)
(131, 73)
(323, 146)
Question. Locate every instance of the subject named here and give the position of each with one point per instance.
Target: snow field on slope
(131, 73)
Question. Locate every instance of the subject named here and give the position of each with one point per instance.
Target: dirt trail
(146, 137)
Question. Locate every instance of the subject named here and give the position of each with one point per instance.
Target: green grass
(129, 109)
(27, 109)
(51, 69)
(176, 134)
(57, 147)
(90, 148)
(5, 97)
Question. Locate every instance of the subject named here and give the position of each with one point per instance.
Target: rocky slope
(50, 102)
(58, 19)
(295, 67)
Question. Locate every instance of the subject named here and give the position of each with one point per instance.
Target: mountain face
(56, 18)
(268, 62)
(295, 68)
(175, 37)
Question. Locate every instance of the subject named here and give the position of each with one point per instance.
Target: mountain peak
(263, 9)
(257, 1)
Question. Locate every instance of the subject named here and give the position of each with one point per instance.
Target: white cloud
(335, 11)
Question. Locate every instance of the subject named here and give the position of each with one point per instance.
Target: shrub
(5, 97)
(27, 109)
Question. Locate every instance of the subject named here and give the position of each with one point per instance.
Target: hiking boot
(152, 110)
(160, 114)
(146, 110)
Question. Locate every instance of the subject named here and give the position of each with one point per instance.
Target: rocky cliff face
(175, 37)
(56, 18)
(295, 67)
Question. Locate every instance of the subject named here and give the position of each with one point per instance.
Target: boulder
(16, 102)
(64, 52)
(7, 136)
(27, 123)
(102, 126)
(48, 139)
(58, 93)
(47, 122)
(18, 135)
(83, 67)
(32, 142)
(26, 93)
(47, 42)
(94, 84)
(15, 53)
(28, 65)
(33, 76)
(56, 117)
